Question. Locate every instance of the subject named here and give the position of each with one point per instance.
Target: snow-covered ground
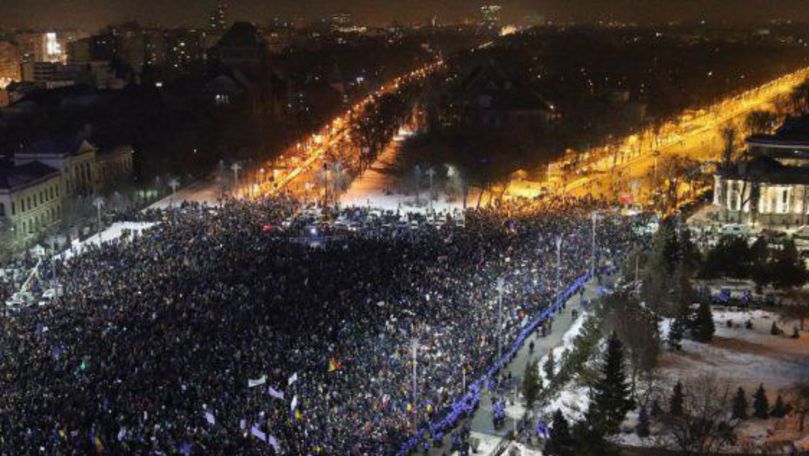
(114, 232)
(207, 192)
(380, 187)
(742, 357)
(747, 357)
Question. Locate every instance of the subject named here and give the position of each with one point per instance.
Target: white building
(74, 158)
(771, 187)
(30, 198)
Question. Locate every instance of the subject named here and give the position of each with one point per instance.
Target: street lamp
(99, 203)
(593, 245)
(236, 167)
(174, 183)
(559, 264)
(431, 174)
(500, 287)
(414, 349)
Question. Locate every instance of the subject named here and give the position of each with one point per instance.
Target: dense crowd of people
(218, 332)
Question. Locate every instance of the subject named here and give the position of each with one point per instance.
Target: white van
(735, 229)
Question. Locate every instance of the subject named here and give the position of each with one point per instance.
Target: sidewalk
(481, 423)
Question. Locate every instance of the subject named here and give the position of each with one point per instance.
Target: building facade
(75, 159)
(31, 198)
(771, 186)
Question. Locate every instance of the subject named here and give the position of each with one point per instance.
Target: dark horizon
(92, 15)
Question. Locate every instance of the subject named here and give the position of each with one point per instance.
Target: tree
(798, 309)
(779, 410)
(677, 330)
(702, 325)
(637, 328)
(759, 268)
(676, 401)
(549, 365)
(800, 404)
(761, 407)
(642, 429)
(740, 405)
(703, 427)
(531, 383)
(787, 268)
(656, 409)
(759, 121)
(559, 442)
(610, 396)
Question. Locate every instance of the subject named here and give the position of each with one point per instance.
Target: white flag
(292, 379)
(256, 382)
(210, 418)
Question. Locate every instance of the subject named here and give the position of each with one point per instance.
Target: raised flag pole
(414, 348)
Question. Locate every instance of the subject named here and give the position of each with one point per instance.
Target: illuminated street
(558, 228)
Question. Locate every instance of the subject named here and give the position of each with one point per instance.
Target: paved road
(481, 422)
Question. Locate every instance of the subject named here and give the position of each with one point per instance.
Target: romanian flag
(334, 364)
(298, 415)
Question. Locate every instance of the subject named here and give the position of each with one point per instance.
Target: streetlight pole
(431, 173)
(174, 183)
(99, 203)
(414, 349)
(500, 284)
(236, 167)
(593, 246)
(558, 264)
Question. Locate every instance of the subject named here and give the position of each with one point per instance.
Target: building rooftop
(52, 146)
(793, 133)
(14, 177)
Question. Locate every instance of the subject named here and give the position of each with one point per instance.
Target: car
(735, 229)
(802, 233)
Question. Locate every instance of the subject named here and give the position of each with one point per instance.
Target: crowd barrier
(471, 398)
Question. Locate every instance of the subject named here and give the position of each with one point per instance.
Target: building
(114, 167)
(217, 21)
(10, 61)
(771, 185)
(30, 198)
(75, 159)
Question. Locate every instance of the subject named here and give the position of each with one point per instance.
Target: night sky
(93, 14)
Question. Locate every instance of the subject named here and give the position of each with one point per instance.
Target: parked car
(735, 229)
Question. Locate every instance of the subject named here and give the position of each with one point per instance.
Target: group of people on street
(214, 333)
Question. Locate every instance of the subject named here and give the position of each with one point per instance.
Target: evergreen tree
(702, 327)
(559, 442)
(740, 405)
(677, 331)
(787, 268)
(779, 410)
(677, 399)
(610, 397)
(656, 409)
(642, 429)
(549, 365)
(531, 385)
(761, 407)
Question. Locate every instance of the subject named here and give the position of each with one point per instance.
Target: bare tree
(798, 309)
(800, 404)
(759, 121)
(705, 426)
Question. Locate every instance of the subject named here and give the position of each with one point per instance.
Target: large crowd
(219, 332)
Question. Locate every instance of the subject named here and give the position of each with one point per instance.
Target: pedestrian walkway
(481, 423)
